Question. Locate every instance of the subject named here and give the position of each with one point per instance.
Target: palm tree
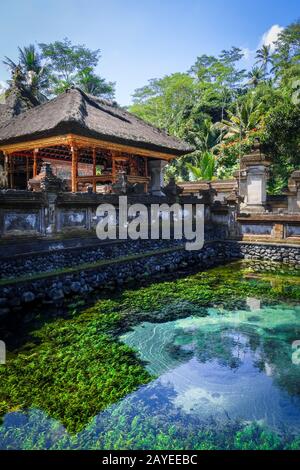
(255, 76)
(248, 116)
(264, 58)
(204, 168)
(91, 83)
(30, 71)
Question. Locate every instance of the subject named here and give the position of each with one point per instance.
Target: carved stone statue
(46, 181)
(121, 186)
(3, 178)
(234, 198)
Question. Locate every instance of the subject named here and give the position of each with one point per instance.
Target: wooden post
(27, 169)
(6, 168)
(74, 152)
(11, 175)
(113, 166)
(146, 173)
(94, 170)
(35, 153)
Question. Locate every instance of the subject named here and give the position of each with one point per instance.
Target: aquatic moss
(72, 368)
(255, 437)
(75, 370)
(224, 284)
(117, 430)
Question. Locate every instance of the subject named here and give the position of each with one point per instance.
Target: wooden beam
(81, 141)
(74, 153)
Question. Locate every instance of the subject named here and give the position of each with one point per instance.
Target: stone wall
(134, 266)
(46, 214)
(286, 254)
(114, 273)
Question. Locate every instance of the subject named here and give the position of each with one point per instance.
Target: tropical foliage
(216, 105)
(220, 108)
(48, 69)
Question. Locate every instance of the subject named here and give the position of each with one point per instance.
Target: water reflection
(233, 363)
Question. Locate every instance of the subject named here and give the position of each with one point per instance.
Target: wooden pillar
(11, 173)
(6, 168)
(74, 153)
(94, 170)
(35, 154)
(27, 168)
(113, 166)
(146, 173)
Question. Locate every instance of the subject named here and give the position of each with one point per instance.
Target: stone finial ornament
(172, 189)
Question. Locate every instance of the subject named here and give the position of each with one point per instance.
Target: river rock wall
(116, 272)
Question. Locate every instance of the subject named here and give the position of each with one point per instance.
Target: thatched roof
(79, 113)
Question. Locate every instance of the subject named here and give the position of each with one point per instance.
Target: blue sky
(143, 39)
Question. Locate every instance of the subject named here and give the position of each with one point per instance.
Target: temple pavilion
(87, 140)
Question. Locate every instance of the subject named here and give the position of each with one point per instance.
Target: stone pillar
(155, 168)
(51, 185)
(294, 193)
(50, 213)
(253, 180)
(256, 188)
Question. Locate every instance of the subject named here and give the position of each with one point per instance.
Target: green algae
(119, 430)
(227, 284)
(73, 368)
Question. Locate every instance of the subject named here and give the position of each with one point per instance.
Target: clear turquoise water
(221, 372)
(228, 365)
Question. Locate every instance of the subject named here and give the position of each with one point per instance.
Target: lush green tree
(219, 108)
(29, 71)
(71, 64)
(282, 136)
(255, 76)
(287, 50)
(246, 117)
(165, 102)
(66, 60)
(91, 83)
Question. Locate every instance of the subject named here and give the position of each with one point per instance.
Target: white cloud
(248, 58)
(248, 53)
(271, 36)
